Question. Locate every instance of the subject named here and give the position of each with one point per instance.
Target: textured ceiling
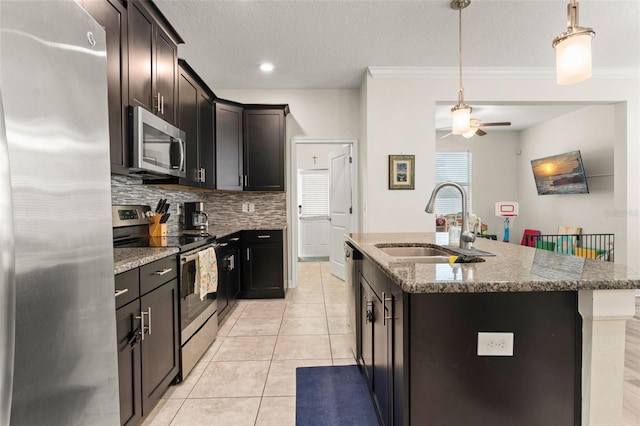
(330, 44)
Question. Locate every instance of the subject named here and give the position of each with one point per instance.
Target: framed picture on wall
(402, 171)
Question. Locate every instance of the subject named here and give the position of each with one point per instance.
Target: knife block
(157, 229)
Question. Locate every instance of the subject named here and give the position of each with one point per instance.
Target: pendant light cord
(460, 89)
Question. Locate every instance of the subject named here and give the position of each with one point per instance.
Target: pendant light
(573, 49)
(460, 113)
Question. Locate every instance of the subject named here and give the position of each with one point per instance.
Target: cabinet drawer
(229, 239)
(127, 288)
(156, 273)
(270, 236)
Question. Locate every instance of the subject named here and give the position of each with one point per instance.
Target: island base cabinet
(451, 385)
(379, 358)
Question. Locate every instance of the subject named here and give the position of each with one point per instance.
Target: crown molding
(493, 72)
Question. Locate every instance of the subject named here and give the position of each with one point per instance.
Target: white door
(313, 214)
(340, 208)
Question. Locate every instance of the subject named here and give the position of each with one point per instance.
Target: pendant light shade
(460, 119)
(573, 50)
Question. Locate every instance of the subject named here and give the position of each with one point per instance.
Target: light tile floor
(247, 377)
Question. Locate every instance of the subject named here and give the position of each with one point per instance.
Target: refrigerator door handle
(7, 278)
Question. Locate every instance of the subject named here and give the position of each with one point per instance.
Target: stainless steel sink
(413, 251)
(426, 254)
(419, 254)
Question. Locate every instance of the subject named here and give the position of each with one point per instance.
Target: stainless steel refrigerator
(55, 219)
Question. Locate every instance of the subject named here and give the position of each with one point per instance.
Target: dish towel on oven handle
(206, 273)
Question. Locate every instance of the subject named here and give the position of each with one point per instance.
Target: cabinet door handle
(223, 244)
(203, 175)
(246, 179)
(247, 254)
(385, 299)
(164, 271)
(264, 236)
(149, 320)
(234, 239)
(143, 327)
(239, 180)
(162, 105)
(158, 109)
(121, 292)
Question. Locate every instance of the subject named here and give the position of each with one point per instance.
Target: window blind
(456, 167)
(314, 192)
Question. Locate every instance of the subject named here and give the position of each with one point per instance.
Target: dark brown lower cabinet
(263, 264)
(228, 253)
(159, 350)
(127, 325)
(419, 354)
(378, 349)
(147, 336)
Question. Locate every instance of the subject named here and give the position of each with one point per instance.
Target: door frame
(292, 195)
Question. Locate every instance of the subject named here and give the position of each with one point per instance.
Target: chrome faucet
(466, 237)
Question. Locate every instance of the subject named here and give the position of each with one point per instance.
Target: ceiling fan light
(472, 131)
(573, 59)
(460, 119)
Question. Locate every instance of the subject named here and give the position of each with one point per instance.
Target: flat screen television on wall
(560, 174)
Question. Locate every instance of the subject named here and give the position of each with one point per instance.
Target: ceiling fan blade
(480, 132)
(501, 123)
(448, 134)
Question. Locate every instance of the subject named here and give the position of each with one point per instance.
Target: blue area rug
(333, 396)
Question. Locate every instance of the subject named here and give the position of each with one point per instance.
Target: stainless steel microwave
(158, 146)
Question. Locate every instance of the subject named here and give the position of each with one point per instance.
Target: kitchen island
(558, 359)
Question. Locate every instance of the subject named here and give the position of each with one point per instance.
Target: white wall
(590, 130)
(495, 170)
(314, 113)
(305, 153)
(400, 118)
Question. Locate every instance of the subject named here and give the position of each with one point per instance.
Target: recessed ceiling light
(266, 67)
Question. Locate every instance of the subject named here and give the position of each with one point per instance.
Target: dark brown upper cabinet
(264, 147)
(112, 16)
(196, 116)
(153, 60)
(229, 175)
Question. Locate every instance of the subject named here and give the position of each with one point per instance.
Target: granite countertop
(224, 231)
(125, 259)
(514, 268)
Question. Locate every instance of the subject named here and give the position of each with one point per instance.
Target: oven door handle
(193, 254)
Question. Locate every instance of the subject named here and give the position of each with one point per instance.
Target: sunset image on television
(560, 174)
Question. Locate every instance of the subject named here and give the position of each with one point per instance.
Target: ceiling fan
(475, 128)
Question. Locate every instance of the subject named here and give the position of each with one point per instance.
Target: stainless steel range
(198, 318)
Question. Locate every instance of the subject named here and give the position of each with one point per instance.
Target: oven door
(193, 311)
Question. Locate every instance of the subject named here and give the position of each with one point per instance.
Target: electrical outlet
(252, 207)
(495, 344)
(245, 207)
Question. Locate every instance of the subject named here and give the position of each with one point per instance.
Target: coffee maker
(195, 219)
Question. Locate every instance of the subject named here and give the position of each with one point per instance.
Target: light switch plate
(495, 344)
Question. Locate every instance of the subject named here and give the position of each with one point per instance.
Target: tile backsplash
(223, 208)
